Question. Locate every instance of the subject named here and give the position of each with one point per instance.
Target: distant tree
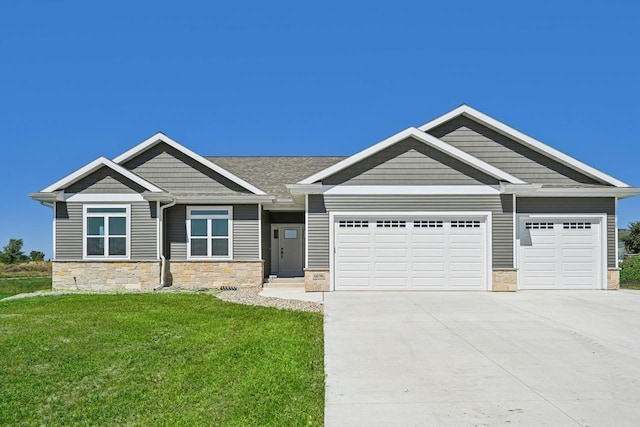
(36, 256)
(632, 240)
(12, 253)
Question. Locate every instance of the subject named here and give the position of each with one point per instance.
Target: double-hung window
(106, 231)
(209, 231)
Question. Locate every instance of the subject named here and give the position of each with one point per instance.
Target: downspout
(163, 260)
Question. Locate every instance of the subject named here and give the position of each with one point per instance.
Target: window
(209, 232)
(576, 225)
(354, 223)
(391, 223)
(465, 224)
(106, 231)
(538, 225)
(427, 224)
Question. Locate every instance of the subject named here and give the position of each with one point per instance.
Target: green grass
(158, 359)
(9, 287)
(634, 286)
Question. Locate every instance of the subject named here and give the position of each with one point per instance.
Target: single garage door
(400, 253)
(562, 253)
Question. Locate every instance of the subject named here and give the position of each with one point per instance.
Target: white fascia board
(354, 190)
(49, 197)
(95, 165)
(301, 189)
(526, 140)
(160, 137)
(530, 191)
(423, 137)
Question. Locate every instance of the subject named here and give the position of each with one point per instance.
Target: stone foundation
(213, 274)
(103, 276)
(504, 280)
(613, 279)
(316, 280)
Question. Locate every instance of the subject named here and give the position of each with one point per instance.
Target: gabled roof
(534, 144)
(94, 166)
(160, 137)
(426, 139)
(274, 172)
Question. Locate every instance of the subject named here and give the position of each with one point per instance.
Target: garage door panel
(559, 256)
(414, 254)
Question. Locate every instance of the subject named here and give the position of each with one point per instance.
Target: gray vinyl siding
(576, 205)
(500, 207)
(410, 162)
(104, 180)
(69, 231)
(318, 233)
(246, 238)
(507, 154)
(172, 170)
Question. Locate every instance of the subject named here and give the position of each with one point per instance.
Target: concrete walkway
(537, 358)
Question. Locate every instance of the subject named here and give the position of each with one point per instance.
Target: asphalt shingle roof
(271, 173)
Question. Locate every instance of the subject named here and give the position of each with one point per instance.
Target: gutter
(163, 260)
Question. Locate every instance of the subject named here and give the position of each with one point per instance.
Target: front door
(289, 249)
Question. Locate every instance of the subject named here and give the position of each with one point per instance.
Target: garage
(404, 252)
(560, 253)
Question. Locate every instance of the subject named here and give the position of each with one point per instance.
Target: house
(463, 202)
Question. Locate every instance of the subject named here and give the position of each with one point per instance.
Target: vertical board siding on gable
(506, 154)
(576, 205)
(500, 207)
(246, 239)
(173, 170)
(410, 162)
(318, 233)
(69, 231)
(245, 232)
(104, 180)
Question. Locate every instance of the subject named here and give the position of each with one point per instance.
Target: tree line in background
(12, 253)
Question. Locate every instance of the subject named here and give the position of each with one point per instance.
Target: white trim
(100, 197)
(525, 140)
(604, 259)
(616, 233)
(260, 231)
(55, 224)
(353, 190)
(229, 218)
(486, 215)
(306, 231)
(220, 199)
(158, 249)
(106, 236)
(426, 139)
(95, 165)
(515, 231)
(160, 137)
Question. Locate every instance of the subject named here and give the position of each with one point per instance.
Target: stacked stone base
(214, 274)
(504, 280)
(316, 280)
(613, 279)
(105, 276)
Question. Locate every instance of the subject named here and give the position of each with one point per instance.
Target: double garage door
(451, 253)
(410, 253)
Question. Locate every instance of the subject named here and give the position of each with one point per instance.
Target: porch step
(284, 282)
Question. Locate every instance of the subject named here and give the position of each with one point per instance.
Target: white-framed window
(209, 232)
(106, 231)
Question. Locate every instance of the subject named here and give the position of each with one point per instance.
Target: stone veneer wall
(613, 279)
(213, 274)
(504, 280)
(316, 280)
(106, 275)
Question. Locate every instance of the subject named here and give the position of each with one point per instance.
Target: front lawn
(13, 286)
(158, 359)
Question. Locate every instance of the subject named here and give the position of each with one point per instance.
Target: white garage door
(410, 253)
(560, 253)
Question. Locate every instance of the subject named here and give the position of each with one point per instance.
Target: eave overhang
(539, 190)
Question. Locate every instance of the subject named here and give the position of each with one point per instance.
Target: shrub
(630, 270)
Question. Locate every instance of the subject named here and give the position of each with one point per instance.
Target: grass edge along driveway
(149, 359)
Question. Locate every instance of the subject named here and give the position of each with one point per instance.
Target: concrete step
(284, 282)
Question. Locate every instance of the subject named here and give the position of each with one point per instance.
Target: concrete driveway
(532, 358)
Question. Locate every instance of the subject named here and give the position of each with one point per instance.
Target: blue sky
(83, 79)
